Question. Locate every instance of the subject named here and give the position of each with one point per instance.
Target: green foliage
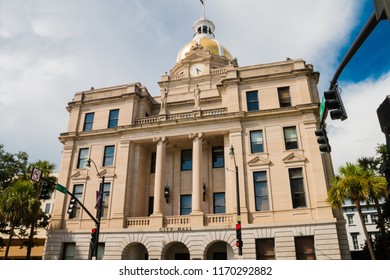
(12, 166)
(20, 207)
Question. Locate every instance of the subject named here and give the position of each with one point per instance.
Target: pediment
(107, 173)
(80, 175)
(259, 161)
(294, 157)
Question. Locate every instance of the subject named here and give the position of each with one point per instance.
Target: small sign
(60, 188)
(322, 108)
(36, 174)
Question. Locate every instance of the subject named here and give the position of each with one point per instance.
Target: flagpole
(203, 9)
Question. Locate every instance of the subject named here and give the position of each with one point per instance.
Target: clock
(197, 69)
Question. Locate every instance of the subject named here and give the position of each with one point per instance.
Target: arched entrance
(219, 250)
(135, 251)
(175, 251)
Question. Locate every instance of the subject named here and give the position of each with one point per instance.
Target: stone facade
(170, 183)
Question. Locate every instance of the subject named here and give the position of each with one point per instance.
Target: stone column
(197, 183)
(159, 180)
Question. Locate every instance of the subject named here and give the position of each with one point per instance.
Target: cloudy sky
(50, 49)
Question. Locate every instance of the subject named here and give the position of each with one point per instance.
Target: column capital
(160, 139)
(199, 135)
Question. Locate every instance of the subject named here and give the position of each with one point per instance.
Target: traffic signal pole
(381, 12)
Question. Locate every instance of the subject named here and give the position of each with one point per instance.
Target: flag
(201, 1)
(98, 200)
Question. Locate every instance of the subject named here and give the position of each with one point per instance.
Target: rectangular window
(218, 157)
(47, 208)
(108, 159)
(100, 251)
(113, 118)
(256, 138)
(265, 249)
(304, 248)
(355, 241)
(150, 205)
(350, 220)
(261, 190)
(88, 121)
(290, 137)
(68, 251)
(252, 101)
(153, 163)
(284, 97)
(365, 218)
(185, 204)
(219, 203)
(297, 188)
(186, 160)
(105, 199)
(83, 158)
(78, 193)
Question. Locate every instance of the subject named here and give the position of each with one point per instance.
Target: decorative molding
(199, 135)
(160, 139)
(259, 161)
(294, 157)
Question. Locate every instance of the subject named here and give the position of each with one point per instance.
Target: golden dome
(204, 36)
(210, 44)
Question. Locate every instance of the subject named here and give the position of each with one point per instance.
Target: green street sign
(60, 188)
(322, 108)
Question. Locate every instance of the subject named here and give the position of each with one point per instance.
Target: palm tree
(47, 168)
(18, 206)
(352, 183)
(377, 190)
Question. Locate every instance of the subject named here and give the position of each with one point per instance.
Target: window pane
(113, 118)
(290, 138)
(261, 190)
(256, 138)
(105, 199)
(69, 250)
(186, 160)
(153, 163)
(218, 157)
(252, 101)
(284, 97)
(297, 187)
(78, 193)
(88, 121)
(219, 203)
(265, 249)
(83, 158)
(108, 156)
(304, 248)
(185, 204)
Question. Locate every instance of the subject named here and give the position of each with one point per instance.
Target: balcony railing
(181, 116)
(181, 221)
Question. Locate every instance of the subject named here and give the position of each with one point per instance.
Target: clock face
(197, 69)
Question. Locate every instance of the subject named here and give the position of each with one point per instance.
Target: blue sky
(51, 49)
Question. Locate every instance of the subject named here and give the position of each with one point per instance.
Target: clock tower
(196, 61)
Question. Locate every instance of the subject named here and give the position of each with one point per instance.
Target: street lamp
(239, 242)
(99, 205)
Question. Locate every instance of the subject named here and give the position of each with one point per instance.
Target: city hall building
(170, 162)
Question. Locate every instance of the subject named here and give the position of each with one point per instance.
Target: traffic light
(334, 104)
(239, 242)
(323, 140)
(94, 235)
(72, 208)
(45, 191)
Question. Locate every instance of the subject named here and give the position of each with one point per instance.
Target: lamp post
(239, 242)
(99, 205)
